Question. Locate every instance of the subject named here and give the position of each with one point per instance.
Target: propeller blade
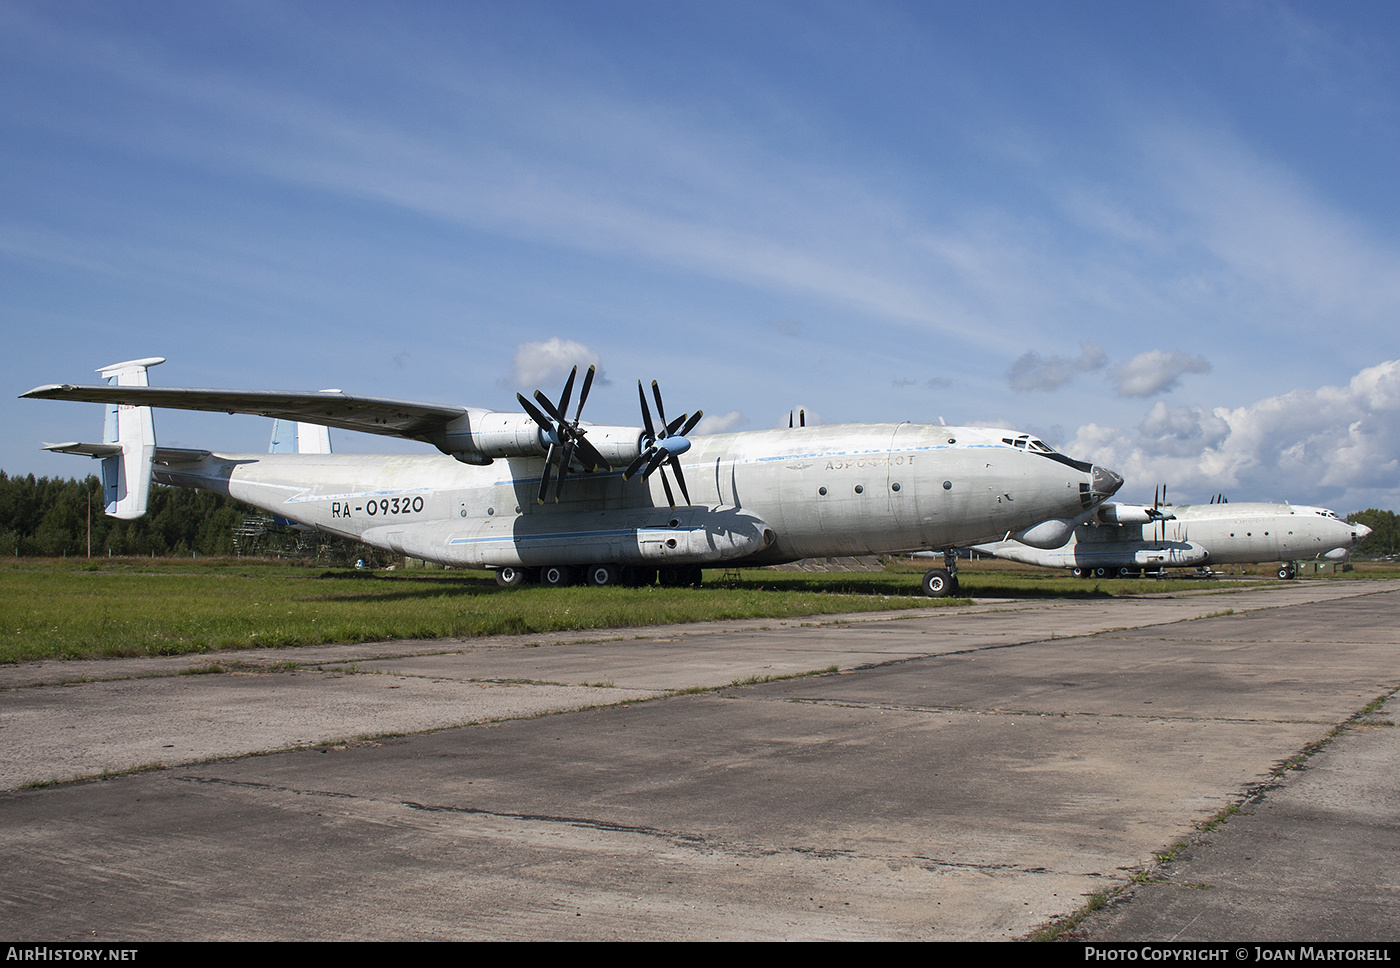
(588, 455)
(544, 475)
(632, 468)
(674, 425)
(646, 414)
(565, 440)
(660, 409)
(583, 394)
(568, 392)
(670, 498)
(655, 458)
(568, 454)
(550, 408)
(680, 479)
(656, 453)
(535, 413)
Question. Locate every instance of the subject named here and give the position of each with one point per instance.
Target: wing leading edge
(344, 411)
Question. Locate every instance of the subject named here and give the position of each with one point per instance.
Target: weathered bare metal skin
(760, 497)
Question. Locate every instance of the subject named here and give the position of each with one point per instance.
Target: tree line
(1384, 538)
(57, 517)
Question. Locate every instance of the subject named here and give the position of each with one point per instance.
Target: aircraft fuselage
(1242, 533)
(758, 497)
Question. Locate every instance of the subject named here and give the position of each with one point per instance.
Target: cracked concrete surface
(969, 773)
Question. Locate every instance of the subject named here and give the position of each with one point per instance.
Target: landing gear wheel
(1287, 571)
(511, 577)
(937, 583)
(602, 576)
(1079, 572)
(556, 576)
(1101, 573)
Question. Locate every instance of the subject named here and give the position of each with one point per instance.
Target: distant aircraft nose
(1104, 483)
(1359, 533)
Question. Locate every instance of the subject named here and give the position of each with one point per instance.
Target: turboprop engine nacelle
(1132, 514)
(481, 436)
(1046, 534)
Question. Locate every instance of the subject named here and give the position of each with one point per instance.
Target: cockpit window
(1027, 442)
(1033, 446)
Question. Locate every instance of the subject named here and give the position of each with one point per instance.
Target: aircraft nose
(1359, 533)
(1104, 483)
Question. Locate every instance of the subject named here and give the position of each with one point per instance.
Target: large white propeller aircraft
(541, 496)
(1125, 539)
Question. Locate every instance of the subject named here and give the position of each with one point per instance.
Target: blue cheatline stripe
(574, 535)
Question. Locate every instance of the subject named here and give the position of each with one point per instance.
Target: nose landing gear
(942, 582)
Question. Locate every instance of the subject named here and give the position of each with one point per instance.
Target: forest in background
(58, 517)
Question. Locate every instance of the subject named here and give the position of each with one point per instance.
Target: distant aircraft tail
(295, 437)
(126, 475)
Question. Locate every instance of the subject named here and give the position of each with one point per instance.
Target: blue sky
(1163, 236)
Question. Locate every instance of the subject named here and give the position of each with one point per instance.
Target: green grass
(76, 608)
(70, 609)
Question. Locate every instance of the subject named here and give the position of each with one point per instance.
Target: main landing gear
(942, 582)
(1289, 569)
(604, 575)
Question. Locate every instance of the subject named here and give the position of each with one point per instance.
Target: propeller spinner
(566, 440)
(663, 445)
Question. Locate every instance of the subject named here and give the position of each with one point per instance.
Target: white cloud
(1156, 372)
(721, 423)
(1035, 372)
(1182, 431)
(542, 365)
(1337, 445)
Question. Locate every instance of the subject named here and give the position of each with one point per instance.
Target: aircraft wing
(344, 411)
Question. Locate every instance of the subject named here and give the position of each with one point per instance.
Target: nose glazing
(1104, 483)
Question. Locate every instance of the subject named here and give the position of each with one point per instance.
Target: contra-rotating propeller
(662, 445)
(566, 440)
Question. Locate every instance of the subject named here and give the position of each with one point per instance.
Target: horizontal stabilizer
(161, 455)
(85, 450)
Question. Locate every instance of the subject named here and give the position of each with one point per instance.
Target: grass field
(74, 608)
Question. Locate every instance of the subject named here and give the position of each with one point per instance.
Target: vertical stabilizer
(126, 477)
(293, 437)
